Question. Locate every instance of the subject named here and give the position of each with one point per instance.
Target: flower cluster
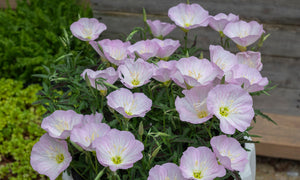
(204, 95)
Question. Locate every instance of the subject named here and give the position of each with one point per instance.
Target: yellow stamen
(59, 158)
(224, 111)
(197, 174)
(116, 160)
(202, 114)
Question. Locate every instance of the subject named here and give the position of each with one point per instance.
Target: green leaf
(258, 112)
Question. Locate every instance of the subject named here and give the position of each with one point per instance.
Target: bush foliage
(19, 128)
(29, 35)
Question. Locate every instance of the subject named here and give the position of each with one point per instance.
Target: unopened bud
(141, 128)
(155, 152)
(103, 92)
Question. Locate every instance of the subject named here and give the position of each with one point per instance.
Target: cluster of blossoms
(214, 90)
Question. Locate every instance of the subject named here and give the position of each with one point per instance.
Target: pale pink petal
(200, 163)
(232, 105)
(87, 29)
(160, 29)
(229, 152)
(219, 21)
(50, 156)
(188, 16)
(192, 108)
(118, 149)
(243, 33)
(86, 134)
(129, 104)
(60, 123)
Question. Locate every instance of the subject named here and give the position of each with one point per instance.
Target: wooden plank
(12, 3)
(282, 140)
(282, 101)
(284, 72)
(275, 11)
(121, 24)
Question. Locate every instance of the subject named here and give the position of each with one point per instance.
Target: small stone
(292, 173)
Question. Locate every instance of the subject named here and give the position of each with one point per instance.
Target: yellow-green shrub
(19, 128)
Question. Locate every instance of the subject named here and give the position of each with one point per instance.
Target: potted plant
(153, 108)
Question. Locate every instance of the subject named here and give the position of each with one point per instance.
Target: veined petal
(50, 156)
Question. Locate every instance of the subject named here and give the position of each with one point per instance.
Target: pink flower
(118, 149)
(225, 60)
(95, 45)
(167, 171)
(232, 105)
(93, 118)
(60, 123)
(243, 33)
(87, 29)
(251, 59)
(115, 51)
(192, 72)
(188, 16)
(86, 134)
(200, 163)
(229, 152)
(160, 29)
(219, 21)
(164, 70)
(145, 49)
(128, 104)
(250, 78)
(135, 73)
(50, 156)
(109, 74)
(192, 108)
(166, 47)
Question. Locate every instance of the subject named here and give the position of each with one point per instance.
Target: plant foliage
(19, 128)
(28, 35)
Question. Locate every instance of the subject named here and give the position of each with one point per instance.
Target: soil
(277, 169)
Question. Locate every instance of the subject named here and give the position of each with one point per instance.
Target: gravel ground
(277, 169)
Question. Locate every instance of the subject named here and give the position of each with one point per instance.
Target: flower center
(187, 24)
(116, 160)
(135, 82)
(128, 113)
(197, 174)
(224, 111)
(202, 114)
(59, 158)
(243, 34)
(87, 33)
(194, 74)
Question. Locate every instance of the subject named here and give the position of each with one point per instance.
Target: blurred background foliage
(29, 35)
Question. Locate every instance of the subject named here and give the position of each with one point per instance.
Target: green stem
(168, 95)
(125, 123)
(76, 171)
(211, 123)
(100, 174)
(222, 38)
(101, 103)
(96, 162)
(222, 42)
(164, 122)
(208, 131)
(172, 96)
(185, 42)
(188, 1)
(120, 121)
(91, 161)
